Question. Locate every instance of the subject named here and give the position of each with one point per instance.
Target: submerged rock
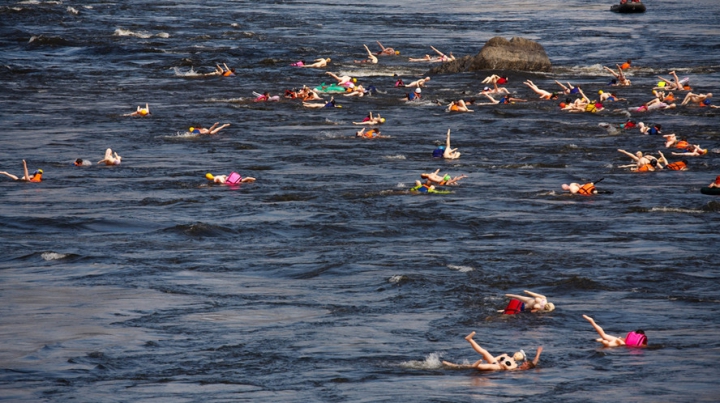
(500, 54)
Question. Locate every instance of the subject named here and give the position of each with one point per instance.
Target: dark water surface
(325, 280)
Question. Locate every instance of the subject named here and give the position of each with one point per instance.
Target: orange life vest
(682, 144)
(587, 189)
(645, 168)
(677, 166)
(36, 178)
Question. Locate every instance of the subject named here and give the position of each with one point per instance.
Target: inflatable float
(710, 191)
(330, 89)
(424, 190)
(629, 7)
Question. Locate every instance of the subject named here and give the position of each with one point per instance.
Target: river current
(326, 280)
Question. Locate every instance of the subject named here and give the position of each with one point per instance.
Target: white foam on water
(52, 256)
(432, 361)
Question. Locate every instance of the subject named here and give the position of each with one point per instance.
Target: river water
(325, 280)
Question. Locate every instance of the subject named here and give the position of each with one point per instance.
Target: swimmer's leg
(11, 176)
(600, 331)
(219, 128)
(485, 354)
(25, 170)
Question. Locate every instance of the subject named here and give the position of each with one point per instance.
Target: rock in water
(500, 54)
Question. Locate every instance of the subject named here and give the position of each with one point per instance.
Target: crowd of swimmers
(664, 98)
(538, 303)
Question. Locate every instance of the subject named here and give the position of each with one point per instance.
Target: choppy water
(324, 281)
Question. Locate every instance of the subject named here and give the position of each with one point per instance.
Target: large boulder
(500, 54)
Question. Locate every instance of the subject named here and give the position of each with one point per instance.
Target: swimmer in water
(212, 130)
(494, 90)
(609, 97)
(534, 303)
(232, 179)
(458, 106)
(570, 89)
(446, 180)
(329, 104)
(418, 83)
(82, 163)
(371, 57)
(587, 189)
(371, 120)
(35, 177)
(219, 71)
(373, 133)
(342, 80)
(543, 94)
(386, 51)
(640, 159)
(495, 79)
(506, 99)
(503, 362)
(694, 151)
(668, 85)
(681, 165)
(700, 99)
(442, 57)
(110, 158)
(715, 184)
(633, 339)
(413, 95)
(651, 130)
(450, 153)
(625, 65)
(357, 91)
(141, 111)
(620, 79)
(319, 63)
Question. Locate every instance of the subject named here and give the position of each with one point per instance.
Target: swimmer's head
(191, 129)
(424, 176)
(209, 176)
(327, 60)
(661, 84)
(78, 161)
(418, 90)
(354, 80)
(717, 179)
(639, 154)
(702, 151)
(486, 89)
(382, 120)
(562, 104)
(519, 356)
(549, 307)
(446, 178)
(600, 92)
(38, 172)
(565, 186)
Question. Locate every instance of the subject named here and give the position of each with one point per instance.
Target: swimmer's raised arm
(537, 356)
